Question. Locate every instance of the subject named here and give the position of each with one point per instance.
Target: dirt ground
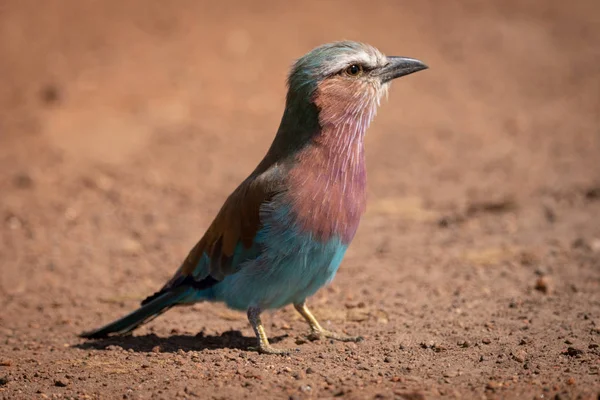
(475, 272)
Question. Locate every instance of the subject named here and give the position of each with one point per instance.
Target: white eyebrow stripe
(368, 60)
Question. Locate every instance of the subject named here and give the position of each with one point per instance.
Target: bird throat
(327, 186)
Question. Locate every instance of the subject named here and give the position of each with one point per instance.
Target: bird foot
(268, 349)
(325, 334)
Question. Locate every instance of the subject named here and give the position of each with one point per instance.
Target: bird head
(333, 92)
(345, 81)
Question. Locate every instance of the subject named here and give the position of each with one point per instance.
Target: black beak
(399, 66)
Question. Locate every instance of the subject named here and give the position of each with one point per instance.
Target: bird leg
(264, 346)
(317, 331)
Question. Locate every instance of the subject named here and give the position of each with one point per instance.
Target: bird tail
(145, 313)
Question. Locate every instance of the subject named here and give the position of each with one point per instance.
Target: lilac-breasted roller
(282, 234)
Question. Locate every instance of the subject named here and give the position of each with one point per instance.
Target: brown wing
(235, 225)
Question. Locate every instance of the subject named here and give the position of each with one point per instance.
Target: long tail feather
(144, 314)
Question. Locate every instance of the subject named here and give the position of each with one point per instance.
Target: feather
(230, 239)
(147, 312)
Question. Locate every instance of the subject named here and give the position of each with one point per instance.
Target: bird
(282, 233)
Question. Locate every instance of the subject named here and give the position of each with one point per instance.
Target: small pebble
(305, 388)
(519, 356)
(542, 284)
(130, 246)
(298, 375)
(571, 381)
(61, 382)
(573, 352)
(438, 348)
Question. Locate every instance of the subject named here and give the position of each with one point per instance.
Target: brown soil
(475, 272)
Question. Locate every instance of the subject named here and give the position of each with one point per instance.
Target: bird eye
(354, 70)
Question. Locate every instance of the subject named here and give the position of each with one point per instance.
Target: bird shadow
(232, 339)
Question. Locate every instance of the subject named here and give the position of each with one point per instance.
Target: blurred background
(125, 124)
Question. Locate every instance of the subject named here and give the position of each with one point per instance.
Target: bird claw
(268, 349)
(325, 334)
